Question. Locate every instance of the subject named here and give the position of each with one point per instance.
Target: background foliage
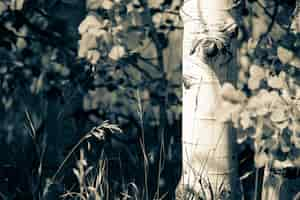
(66, 66)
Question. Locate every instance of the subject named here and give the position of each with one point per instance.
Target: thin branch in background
(270, 27)
(148, 61)
(270, 15)
(143, 71)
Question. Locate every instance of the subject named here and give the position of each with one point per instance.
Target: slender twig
(69, 155)
(270, 27)
(147, 61)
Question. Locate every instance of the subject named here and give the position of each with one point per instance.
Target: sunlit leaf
(226, 110)
(260, 159)
(242, 77)
(117, 52)
(157, 19)
(276, 82)
(107, 4)
(282, 125)
(245, 63)
(253, 83)
(257, 72)
(282, 164)
(259, 127)
(16, 4)
(246, 121)
(279, 115)
(93, 56)
(229, 93)
(285, 55)
(156, 3)
(86, 43)
(91, 21)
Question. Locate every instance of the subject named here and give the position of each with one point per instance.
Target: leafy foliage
(72, 64)
(265, 104)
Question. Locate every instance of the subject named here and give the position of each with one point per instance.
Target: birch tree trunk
(209, 156)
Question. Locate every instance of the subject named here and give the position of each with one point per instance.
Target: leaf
(260, 159)
(229, 93)
(235, 114)
(117, 52)
(86, 43)
(285, 55)
(16, 4)
(295, 62)
(276, 82)
(155, 3)
(242, 77)
(246, 121)
(245, 63)
(282, 125)
(279, 115)
(259, 127)
(93, 56)
(225, 110)
(257, 72)
(107, 4)
(91, 21)
(282, 164)
(253, 83)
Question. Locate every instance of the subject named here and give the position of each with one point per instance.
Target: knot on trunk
(211, 44)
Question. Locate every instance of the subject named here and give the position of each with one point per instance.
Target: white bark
(208, 61)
